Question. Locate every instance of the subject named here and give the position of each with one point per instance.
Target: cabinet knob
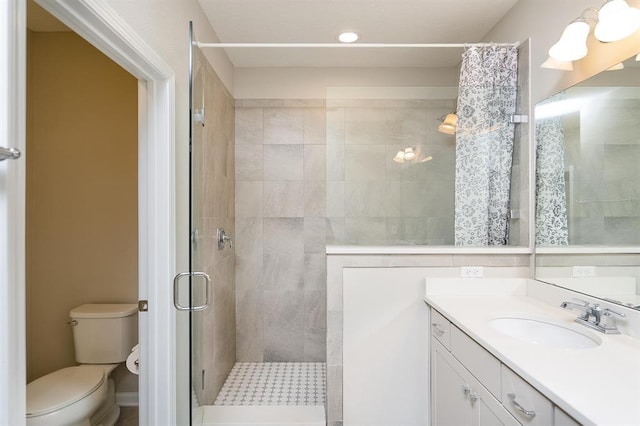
(473, 397)
(466, 389)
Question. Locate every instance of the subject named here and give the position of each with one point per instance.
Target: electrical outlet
(471, 271)
(584, 271)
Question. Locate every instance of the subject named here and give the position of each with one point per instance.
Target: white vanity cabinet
(470, 387)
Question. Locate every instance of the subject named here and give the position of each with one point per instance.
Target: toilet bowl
(85, 395)
(66, 397)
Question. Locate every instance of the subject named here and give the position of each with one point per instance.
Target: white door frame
(12, 213)
(96, 22)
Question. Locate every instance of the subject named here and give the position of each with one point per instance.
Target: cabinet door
(450, 404)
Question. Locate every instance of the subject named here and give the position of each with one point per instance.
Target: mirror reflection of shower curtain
(484, 144)
(551, 198)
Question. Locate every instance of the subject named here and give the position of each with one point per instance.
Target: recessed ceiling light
(348, 37)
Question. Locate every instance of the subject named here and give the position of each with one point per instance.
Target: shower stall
(273, 181)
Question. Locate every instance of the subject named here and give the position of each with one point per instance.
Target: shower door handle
(176, 291)
(9, 153)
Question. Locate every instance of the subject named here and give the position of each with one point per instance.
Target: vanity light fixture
(573, 42)
(614, 21)
(399, 158)
(449, 124)
(348, 37)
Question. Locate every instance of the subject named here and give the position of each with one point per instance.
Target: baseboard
(127, 399)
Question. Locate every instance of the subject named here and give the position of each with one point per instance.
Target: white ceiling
(377, 21)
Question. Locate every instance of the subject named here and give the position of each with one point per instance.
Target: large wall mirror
(588, 186)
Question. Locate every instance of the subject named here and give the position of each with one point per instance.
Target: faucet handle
(608, 322)
(607, 312)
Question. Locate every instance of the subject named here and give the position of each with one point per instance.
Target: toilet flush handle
(72, 323)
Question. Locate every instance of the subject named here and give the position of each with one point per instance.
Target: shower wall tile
(285, 308)
(315, 126)
(315, 231)
(283, 162)
(249, 126)
(282, 271)
(248, 161)
(283, 126)
(281, 229)
(283, 236)
(315, 309)
(283, 343)
(249, 253)
(315, 162)
(335, 126)
(365, 199)
(365, 126)
(315, 271)
(335, 162)
(315, 343)
(315, 198)
(335, 199)
(283, 199)
(364, 162)
(249, 197)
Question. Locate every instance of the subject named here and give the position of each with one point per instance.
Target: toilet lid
(62, 388)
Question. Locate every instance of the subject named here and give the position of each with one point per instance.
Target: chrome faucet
(594, 316)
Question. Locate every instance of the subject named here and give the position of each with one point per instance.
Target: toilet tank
(104, 333)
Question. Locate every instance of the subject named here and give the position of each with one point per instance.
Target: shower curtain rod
(351, 45)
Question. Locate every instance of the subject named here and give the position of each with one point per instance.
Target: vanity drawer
(526, 404)
(560, 418)
(441, 328)
(478, 360)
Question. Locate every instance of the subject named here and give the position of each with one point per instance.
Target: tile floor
(274, 383)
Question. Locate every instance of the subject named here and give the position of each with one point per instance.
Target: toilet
(103, 335)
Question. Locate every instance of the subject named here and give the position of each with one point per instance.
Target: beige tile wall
(280, 230)
(213, 207)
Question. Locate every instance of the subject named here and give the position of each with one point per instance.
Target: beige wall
(81, 190)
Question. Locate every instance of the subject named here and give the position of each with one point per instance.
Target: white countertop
(596, 386)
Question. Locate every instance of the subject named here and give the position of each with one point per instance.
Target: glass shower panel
(197, 193)
(390, 172)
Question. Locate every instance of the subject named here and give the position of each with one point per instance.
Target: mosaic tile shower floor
(274, 383)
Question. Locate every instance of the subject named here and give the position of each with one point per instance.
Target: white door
(12, 195)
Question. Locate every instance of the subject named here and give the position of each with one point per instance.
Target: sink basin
(545, 332)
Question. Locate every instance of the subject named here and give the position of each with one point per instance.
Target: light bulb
(409, 154)
(399, 158)
(449, 124)
(348, 37)
(616, 20)
(572, 44)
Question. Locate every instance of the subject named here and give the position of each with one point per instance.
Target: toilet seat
(69, 385)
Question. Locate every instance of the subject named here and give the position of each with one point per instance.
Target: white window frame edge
(97, 23)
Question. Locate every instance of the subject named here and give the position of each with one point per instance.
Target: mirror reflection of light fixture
(449, 124)
(399, 158)
(555, 64)
(616, 67)
(616, 20)
(410, 156)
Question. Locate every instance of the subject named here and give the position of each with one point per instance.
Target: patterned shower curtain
(551, 197)
(484, 144)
